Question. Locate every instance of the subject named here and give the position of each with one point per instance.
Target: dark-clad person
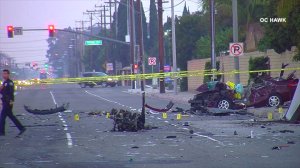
(7, 91)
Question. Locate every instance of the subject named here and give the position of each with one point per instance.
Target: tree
(258, 63)
(222, 39)
(185, 11)
(122, 51)
(60, 55)
(282, 36)
(153, 29)
(188, 30)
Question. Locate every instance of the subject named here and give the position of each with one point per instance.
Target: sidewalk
(180, 97)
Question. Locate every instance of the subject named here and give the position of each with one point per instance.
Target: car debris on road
(125, 120)
(61, 108)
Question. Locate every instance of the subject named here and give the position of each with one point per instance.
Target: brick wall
(227, 63)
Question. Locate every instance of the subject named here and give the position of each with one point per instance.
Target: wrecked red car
(263, 91)
(272, 92)
(215, 94)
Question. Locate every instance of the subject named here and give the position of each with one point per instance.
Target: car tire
(274, 100)
(91, 86)
(82, 85)
(224, 103)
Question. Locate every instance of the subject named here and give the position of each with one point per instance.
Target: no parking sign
(236, 49)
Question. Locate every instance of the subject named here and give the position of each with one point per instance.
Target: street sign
(93, 42)
(236, 49)
(167, 68)
(152, 61)
(118, 65)
(109, 66)
(18, 30)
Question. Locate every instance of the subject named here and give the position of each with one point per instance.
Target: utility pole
(110, 16)
(141, 42)
(212, 34)
(161, 45)
(116, 15)
(235, 38)
(90, 13)
(132, 39)
(81, 68)
(103, 16)
(174, 45)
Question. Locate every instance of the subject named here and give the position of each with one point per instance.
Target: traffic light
(10, 31)
(46, 66)
(135, 66)
(51, 29)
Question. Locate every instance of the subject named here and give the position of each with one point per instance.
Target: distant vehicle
(106, 82)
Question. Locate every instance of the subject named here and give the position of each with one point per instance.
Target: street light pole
(174, 45)
(212, 22)
(161, 45)
(141, 42)
(235, 38)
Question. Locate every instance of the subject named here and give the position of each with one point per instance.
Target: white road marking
(210, 138)
(107, 99)
(53, 98)
(69, 138)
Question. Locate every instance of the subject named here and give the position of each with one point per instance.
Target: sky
(32, 46)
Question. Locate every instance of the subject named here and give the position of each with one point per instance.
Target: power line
(37, 50)
(23, 41)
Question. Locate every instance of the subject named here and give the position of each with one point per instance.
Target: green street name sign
(93, 42)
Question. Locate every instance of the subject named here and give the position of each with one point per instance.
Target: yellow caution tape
(171, 75)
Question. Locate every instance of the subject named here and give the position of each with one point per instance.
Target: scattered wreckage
(263, 90)
(61, 108)
(125, 120)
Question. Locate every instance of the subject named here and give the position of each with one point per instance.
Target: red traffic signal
(135, 66)
(51, 29)
(10, 31)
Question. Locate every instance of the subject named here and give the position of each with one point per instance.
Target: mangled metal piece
(47, 111)
(125, 120)
(168, 107)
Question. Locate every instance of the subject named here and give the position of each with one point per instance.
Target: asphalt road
(58, 140)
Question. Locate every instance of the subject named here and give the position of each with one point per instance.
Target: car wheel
(224, 103)
(91, 86)
(274, 100)
(82, 85)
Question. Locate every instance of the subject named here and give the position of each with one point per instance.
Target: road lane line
(53, 98)
(69, 138)
(108, 100)
(210, 138)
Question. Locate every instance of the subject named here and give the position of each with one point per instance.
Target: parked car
(107, 82)
(263, 91)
